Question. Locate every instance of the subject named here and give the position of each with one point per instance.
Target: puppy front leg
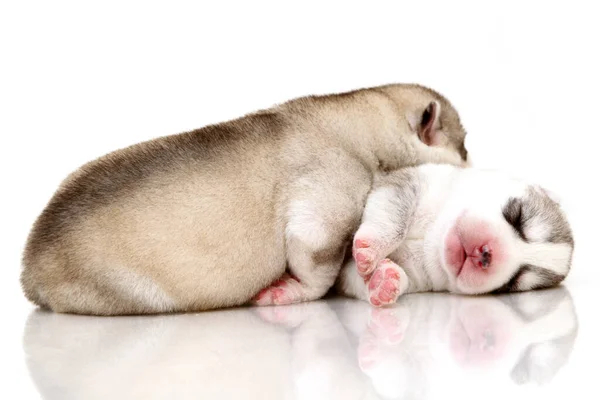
(388, 215)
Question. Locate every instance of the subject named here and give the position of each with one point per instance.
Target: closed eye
(513, 214)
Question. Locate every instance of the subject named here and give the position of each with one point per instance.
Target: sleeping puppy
(206, 219)
(441, 228)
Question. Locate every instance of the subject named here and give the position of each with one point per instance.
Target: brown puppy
(208, 218)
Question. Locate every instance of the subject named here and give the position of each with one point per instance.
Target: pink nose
(482, 256)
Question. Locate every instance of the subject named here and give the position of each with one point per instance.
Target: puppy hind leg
(285, 290)
(312, 274)
(316, 246)
(321, 212)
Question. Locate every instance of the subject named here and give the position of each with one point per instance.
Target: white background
(80, 79)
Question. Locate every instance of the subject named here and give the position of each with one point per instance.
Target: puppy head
(501, 234)
(435, 122)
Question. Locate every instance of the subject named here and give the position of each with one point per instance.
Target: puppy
(206, 219)
(442, 228)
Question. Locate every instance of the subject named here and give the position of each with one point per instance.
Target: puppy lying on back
(208, 218)
(441, 228)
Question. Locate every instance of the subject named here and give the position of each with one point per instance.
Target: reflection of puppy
(323, 360)
(525, 336)
(229, 354)
(541, 360)
(304, 351)
(286, 352)
(461, 230)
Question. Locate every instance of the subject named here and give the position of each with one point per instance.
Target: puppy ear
(428, 127)
(551, 194)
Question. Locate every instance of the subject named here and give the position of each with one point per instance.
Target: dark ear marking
(429, 122)
(513, 214)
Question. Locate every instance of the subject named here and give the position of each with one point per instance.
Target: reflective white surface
(427, 346)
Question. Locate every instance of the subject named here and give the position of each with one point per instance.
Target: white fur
(528, 280)
(377, 208)
(352, 284)
(538, 231)
(553, 256)
(305, 224)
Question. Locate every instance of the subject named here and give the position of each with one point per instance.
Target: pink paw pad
(285, 290)
(365, 256)
(384, 285)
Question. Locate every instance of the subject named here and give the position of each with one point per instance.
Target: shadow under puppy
(442, 228)
(208, 218)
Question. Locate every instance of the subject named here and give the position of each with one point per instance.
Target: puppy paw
(286, 290)
(385, 284)
(365, 254)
